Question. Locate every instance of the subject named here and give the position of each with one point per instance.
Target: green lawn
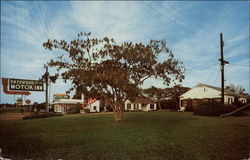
(143, 135)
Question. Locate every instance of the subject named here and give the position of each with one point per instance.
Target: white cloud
(196, 43)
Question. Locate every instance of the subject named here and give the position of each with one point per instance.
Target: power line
(183, 26)
(202, 66)
(209, 77)
(191, 24)
(216, 78)
(237, 64)
(43, 22)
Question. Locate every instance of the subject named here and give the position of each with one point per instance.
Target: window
(230, 100)
(152, 106)
(128, 106)
(94, 107)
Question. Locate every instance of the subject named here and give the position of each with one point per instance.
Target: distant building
(92, 104)
(204, 93)
(63, 104)
(140, 104)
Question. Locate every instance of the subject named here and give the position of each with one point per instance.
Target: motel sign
(25, 85)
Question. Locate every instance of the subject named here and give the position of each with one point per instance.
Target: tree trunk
(118, 112)
(159, 105)
(118, 116)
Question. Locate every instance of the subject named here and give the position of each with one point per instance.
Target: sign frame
(25, 85)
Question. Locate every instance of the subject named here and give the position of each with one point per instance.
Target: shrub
(73, 111)
(86, 110)
(238, 103)
(42, 115)
(189, 109)
(78, 107)
(109, 109)
(213, 109)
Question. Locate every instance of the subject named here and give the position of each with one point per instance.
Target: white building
(202, 92)
(140, 104)
(63, 104)
(92, 104)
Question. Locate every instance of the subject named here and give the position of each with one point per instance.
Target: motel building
(205, 93)
(63, 104)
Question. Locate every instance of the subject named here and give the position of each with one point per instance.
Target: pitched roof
(227, 92)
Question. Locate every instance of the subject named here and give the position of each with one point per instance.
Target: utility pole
(46, 92)
(222, 63)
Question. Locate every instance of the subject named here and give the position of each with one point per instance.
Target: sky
(191, 29)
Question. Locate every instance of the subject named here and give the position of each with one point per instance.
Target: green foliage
(144, 136)
(42, 115)
(213, 109)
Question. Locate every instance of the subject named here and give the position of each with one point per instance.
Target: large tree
(114, 72)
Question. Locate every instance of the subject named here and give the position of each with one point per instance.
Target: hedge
(42, 115)
(213, 109)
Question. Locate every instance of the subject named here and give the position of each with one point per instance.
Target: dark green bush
(86, 110)
(189, 109)
(78, 107)
(213, 109)
(42, 115)
(109, 109)
(238, 103)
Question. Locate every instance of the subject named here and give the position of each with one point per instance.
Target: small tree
(235, 88)
(157, 95)
(113, 71)
(175, 92)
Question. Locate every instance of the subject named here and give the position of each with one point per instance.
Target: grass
(142, 136)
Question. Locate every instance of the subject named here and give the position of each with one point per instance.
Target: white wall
(226, 99)
(133, 105)
(127, 102)
(201, 92)
(91, 106)
(148, 107)
(243, 100)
